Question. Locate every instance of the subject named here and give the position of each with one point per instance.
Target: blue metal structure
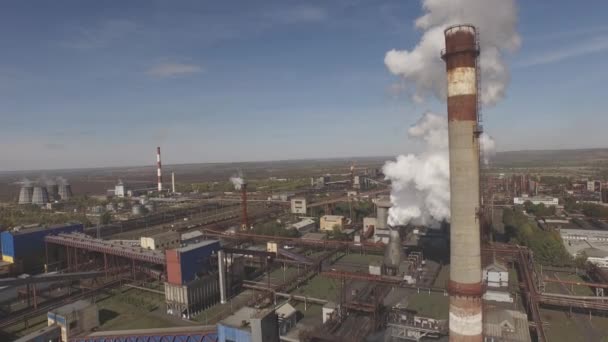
(152, 335)
(27, 244)
(228, 333)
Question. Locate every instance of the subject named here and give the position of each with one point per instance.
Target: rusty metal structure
(465, 286)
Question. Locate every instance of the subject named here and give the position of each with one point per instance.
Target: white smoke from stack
(420, 184)
(237, 181)
(488, 147)
(496, 22)
(420, 190)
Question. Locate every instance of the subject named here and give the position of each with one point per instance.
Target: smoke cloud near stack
(496, 21)
(420, 182)
(237, 181)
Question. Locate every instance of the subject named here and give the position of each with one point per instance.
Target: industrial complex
(314, 256)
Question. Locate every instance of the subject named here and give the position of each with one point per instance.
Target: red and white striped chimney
(158, 170)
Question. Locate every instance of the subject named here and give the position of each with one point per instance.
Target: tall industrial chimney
(158, 170)
(173, 182)
(460, 55)
(245, 220)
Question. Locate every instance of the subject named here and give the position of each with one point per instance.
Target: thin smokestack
(460, 55)
(173, 182)
(245, 220)
(158, 170)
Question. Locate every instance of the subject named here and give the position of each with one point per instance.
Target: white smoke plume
(488, 147)
(237, 181)
(421, 183)
(496, 23)
(420, 187)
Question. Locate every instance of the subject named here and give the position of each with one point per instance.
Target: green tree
(105, 218)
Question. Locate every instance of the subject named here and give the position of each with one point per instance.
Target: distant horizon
(166, 165)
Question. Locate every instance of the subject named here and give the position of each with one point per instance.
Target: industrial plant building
(547, 201)
(329, 222)
(74, 319)
(24, 246)
(162, 241)
(298, 205)
(249, 325)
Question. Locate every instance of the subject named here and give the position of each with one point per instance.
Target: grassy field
(132, 309)
(577, 290)
(433, 305)
(361, 258)
(442, 277)
(320, 287)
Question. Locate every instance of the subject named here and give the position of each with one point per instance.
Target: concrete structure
(40, 195)
(162, 241)
(288, 318)
(249, 325)
(76, 318)
(496, 275)
(594, 186)
(497, 296)
(26, 192)
(383, 204)
(192, 237)
(298, 205)
(221, 265)
(547, 201)
(328, 222)
(173, 182)
(65, 190)
(375, 268)
(328, 310)
(393, 254)
(187, 299)
(506, 325)
(382, 235)
(307, 225)
(244, 217)
(465, 312)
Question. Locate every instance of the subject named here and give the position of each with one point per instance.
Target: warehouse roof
(506, 324)
(19, 230)
(241, 318)
(197, 245)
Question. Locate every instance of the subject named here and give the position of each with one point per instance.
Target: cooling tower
(52, 189)
(40, 196)
(65, 191)
(25, 194)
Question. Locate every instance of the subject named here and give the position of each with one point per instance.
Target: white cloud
(170, 69)
(593, 45)
(102, 35)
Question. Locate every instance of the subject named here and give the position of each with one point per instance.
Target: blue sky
(100, 83)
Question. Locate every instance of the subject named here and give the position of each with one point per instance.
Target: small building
(74, 319)
(161, 241)
(288, 318)
(307, 225)
(375, 268)
(47, 334)
(328, 222)
(328, 310)
(298, 205)
(249, 325)
(547, 201)
(496, 275)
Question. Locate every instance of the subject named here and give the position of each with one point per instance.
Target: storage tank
(383, 204)
(393, 253)
(25, 194)
(137, 209)
(40, 196)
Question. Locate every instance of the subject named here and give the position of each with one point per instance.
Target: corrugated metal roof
(506, 324)
(197, 245)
